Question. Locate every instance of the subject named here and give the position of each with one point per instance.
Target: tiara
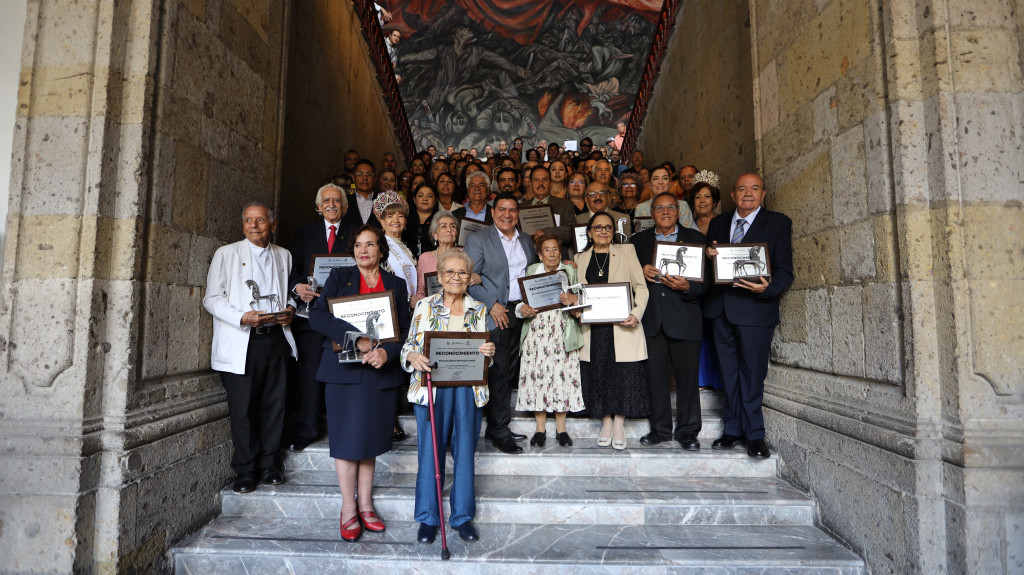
(707, 177)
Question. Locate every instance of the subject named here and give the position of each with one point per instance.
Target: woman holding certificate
(614, 380)
(360, 397)
(549, 373)
(457, 410)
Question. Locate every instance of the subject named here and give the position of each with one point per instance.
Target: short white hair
(319, 194)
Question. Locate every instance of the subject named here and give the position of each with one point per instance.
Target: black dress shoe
(244, 483)
(689, 443)
(426, 533)
(650, 439)
(539, 439)
(518, 437)
(758, 449)
(300, 444)
(271, 476)
(563, 439)
(507, 445)
(726, 441)
(468, 531)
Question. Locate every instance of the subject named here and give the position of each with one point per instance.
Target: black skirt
(612, 387)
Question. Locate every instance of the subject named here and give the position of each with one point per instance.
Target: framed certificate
(641, 224)
(535, 218)
(433, 283)
(468, 227)
(741, 261)
(373, 314)
(541, 291)
(579, 234)
(609, 303)
(320, 265)
(458, 357)
(679, 259)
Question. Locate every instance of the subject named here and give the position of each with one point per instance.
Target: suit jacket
(353, 219)
(309, 240)
(630, 343)
(345, 282)
(488, 217)
(584, 218)
(678, 313)
(741, 306)
(228, 298)
(490, 263)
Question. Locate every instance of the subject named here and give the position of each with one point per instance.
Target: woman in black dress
(360, 397)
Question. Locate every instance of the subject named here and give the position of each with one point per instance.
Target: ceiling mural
(474, 72)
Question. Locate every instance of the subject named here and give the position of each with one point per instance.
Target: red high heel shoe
(371, 522)
(351, 529)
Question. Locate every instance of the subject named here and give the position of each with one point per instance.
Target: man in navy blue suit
(327, 235)
(745, 313)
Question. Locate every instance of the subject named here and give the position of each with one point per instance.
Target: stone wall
(143, 128)
(335, 103)
(891, 132)
(701, 111)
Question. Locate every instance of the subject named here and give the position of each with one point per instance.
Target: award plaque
(320, 265)
(532, 219)
(468, 227)
(458, 357)
(641, 224)
(433, 283)
(679, 259)
(608, 303)
(579, 234)
(741, 261)
(373, 313)
(541, 291)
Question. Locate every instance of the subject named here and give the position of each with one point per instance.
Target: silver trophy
(313, 285)
(275, 304)
(360, 343)
(620, 231)
(581, 293)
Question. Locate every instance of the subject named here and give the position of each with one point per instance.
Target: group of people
(399, 230)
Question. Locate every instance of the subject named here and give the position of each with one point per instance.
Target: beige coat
(630, 344)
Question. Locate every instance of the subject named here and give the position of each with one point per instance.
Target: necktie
(330, 240)
(737, 236)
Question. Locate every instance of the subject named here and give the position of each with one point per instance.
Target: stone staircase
(581, 509)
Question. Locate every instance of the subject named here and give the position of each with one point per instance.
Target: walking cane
(445, 554)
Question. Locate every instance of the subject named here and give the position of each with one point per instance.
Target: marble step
(584, 458)
(524, 423)
(244, 545)
(551, 499)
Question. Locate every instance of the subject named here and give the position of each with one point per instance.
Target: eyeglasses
(665, 208)
(363, 174)
(452, 274)
(601, 228)
(595, 194)
(627, 185)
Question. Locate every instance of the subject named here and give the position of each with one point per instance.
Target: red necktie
(330, 240)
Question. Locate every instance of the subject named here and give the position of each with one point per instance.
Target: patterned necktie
(330, 240)
(737, 236)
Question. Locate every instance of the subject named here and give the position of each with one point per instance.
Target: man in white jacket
(252, 342)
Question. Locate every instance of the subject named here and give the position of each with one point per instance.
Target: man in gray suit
(500, 256)
(565, 214)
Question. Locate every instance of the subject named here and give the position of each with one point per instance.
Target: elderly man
(478, 186)
(672, 326)
(565, 214)
(745, 313)
(365, 177)
(324, 236)
(500, 257)
(598, 199)
(252, 343)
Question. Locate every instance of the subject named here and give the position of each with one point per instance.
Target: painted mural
(475, 72)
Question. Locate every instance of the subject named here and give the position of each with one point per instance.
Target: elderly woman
(416, 235)
(577, 192)
(614, 380)
(629, 191)
(360, 397)
(661, 182)
(549, 376)
(457, 410)
(393, 213)
(443, 228)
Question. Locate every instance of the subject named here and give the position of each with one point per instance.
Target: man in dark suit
(360, 204)
(324, 236)
(500, 256)
(672, 326)
(561, 208)
(478, 186)
(745, 313)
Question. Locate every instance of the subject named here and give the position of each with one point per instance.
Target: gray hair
(442, 261)
(478, 174)
(270, 210)
(319, 193)
(435, 222)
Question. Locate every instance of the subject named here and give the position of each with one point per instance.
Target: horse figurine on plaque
(275, 304)
(360, 343)
(313, 285)
(751, 267)
(620, 231)
(678, 262)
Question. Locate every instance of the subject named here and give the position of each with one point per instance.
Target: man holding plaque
(324, 236)
(500, 255)
(561, 208)
(672, 326)
(252, 342)
(746, 312)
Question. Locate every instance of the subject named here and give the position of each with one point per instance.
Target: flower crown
(707, 177)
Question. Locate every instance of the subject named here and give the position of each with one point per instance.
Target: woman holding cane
(457, 410)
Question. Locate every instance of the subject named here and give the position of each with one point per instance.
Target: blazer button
(662, 295)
